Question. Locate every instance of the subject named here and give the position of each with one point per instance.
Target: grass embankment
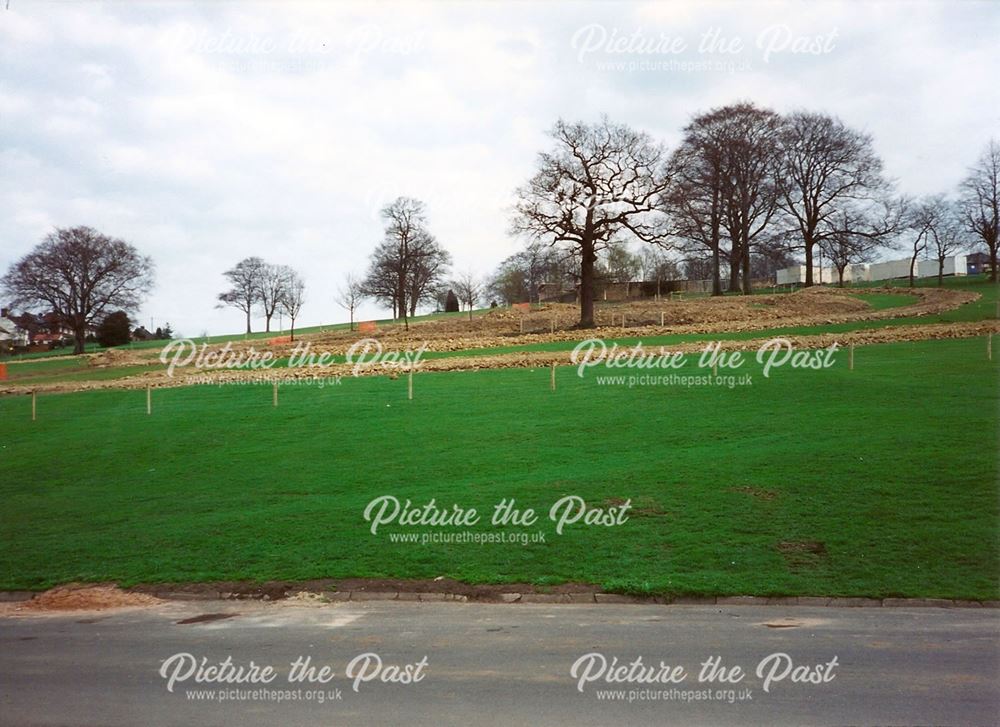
(880, 481)
(28, 373)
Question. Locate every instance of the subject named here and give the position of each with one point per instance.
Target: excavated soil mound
(504, 327)
(83, 598)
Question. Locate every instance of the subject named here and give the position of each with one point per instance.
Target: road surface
(458, 664)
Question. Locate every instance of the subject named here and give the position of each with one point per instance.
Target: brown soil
(76, 597)
(279, 590)
(802, 554)
(814, 306)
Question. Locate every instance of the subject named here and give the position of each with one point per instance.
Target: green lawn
(876, 482)
(881, 301)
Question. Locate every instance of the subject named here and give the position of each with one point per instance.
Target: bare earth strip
(707, 315)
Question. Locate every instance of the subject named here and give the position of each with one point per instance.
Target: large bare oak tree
(599, 183)
(79, 274)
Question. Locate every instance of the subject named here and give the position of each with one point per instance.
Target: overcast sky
(207, 132)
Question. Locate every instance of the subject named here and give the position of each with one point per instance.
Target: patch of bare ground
(800, 554)
(79, 597)
(309, 592)
(498, 328)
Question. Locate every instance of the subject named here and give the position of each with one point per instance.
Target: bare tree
(924, 218)
(79, 274)
(382, 279)
(293, 296)
(948, 236)
(979, 202)
(752, 161)
(520, 277)
(844, 249)
(350, 295)
(468, 289)
(408, 264)
(599, 183)
(622, 265)
(271, 283)
(658, 266)
(430, 265)
(244, 294)
(828, 168)
(698, 170)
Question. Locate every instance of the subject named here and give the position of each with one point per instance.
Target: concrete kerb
(575, 598)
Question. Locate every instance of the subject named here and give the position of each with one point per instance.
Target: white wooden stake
(850, 358)
(274, 396)
(661, 319)
(989, 346)
(149, 401)
(33, 407)
(552, 325)
(553, 377)
(409, 385)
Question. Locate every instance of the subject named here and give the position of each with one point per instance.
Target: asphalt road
(501, 664)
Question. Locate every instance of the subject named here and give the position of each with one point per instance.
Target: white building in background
(955, 265)
(796, 275)
(890, 269)
(11, 334)
(864, 272)
(857, 273)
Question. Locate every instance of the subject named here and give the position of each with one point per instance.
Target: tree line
(744, 190)
(259, 285)
(745, 182)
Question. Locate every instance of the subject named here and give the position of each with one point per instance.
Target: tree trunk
(913, 262)
(993, 263)
(809, 263)
(79, 339)
(716, 274)
(840, 277)
(248, 322)
(941, 271)
(293, 330)
(588, 257)
(747, 284)
(735, 260)
(267, 324)
(352, 319)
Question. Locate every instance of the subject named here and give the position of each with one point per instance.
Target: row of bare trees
(743, 182)
(259, 285)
